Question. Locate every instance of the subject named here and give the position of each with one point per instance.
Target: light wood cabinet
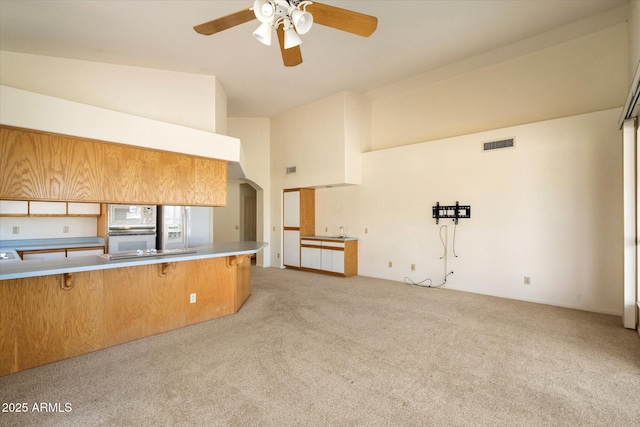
(49, 318)
(298, 213)
(41, 322)
(139, 301)
(48, 167)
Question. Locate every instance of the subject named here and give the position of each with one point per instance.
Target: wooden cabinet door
(42, 166)
(140, 302)
(212, 282)
(42, 323)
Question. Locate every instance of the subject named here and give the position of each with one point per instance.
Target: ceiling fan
(290, 18)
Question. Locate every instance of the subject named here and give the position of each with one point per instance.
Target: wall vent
(498, 145)
(291, 169)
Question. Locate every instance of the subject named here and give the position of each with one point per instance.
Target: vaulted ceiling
(413, 37)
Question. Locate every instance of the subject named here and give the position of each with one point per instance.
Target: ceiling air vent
(291, 169)
(498, 145)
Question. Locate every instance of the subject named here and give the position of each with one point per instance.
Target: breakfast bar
(60, 308)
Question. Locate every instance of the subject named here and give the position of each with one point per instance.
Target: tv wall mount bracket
(454, 212)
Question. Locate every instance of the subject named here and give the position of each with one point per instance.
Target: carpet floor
(315, 350)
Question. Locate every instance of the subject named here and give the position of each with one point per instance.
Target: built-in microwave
(132, 218)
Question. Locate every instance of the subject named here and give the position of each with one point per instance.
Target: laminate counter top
(45, 244)
(40, 267)
(331, 238)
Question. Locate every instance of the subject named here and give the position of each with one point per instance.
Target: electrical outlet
(413, 267)
(16, 229)
(326, 229)
(527, 280)
(65, 228)
(366, 230)
(390, 264)
(192, 298)
(278, 255)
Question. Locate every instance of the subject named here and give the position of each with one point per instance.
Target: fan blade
(343, 19)
(292, 56)
(225, 22)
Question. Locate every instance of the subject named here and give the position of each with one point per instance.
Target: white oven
(131, 228)
(121, 243)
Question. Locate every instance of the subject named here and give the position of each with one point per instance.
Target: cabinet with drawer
(329, 256)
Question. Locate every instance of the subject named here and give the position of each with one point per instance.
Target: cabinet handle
(236, 259)
(164, 267)
(67, 283)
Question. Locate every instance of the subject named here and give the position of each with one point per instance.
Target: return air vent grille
(291, 169)
(498, 145)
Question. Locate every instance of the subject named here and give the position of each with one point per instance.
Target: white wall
(585, 74)
(323, 140)
(45, 113)
(550, 209)
(183, 99)
(226, 220)
(255, 136)
(47, 227)
(634, 38)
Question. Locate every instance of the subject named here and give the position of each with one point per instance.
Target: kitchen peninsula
(53, 309)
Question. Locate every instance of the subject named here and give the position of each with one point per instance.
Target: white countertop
(46, 267)
(332, 238)
(44, 244)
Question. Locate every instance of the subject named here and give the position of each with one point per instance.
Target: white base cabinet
(291, 248)
(329, 256)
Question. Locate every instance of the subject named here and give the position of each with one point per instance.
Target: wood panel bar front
(44, 319)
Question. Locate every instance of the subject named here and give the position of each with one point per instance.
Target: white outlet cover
(192, 298)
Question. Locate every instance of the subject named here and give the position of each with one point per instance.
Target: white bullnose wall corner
(549, 209)
(255, 136)
(49, 114)
(630, 219)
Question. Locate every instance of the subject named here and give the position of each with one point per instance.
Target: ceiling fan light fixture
(263, 33)
(291, 38)
(264, 10)
(302, 21)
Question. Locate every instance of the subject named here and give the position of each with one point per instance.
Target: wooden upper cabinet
(42, 166)
(211, 181)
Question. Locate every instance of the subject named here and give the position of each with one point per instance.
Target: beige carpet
(313, 350)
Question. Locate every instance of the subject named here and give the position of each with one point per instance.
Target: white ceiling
(413, 37)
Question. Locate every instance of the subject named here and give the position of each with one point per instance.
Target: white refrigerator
(182, 227)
